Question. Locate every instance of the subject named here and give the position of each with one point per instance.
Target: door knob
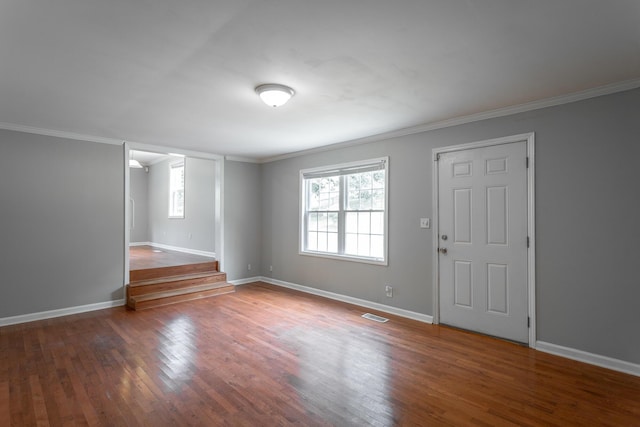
(442, 250)
(444, 237)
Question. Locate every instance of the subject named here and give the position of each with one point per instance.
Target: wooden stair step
(174, 270)
(173, 282)
(156, 299)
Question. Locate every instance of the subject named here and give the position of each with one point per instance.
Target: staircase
(154, 287)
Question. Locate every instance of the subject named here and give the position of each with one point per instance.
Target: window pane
(322, 221)
(176, 190)
(323, 203)
(365, 200)
(353, 201)
(313, 221)
(378, 179)
(365, 181)
(353, 182)
(333, 222)
(351, 244)
(363, 244)
(351, 225)
(322, 242)
(332, 242)
(377, 246)
(377, 223)
(334, 201)
(378, 200)
(364, 226)
(312, 241)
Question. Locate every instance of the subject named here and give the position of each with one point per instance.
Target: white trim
(43, 315)
(239, 282)
(138, 146)
(590, 358)
(491, 114)
(59, 134)
(127, 211)
(350, 300)
(175, 248)
(529, 138)
(218, 227)
(242, 159)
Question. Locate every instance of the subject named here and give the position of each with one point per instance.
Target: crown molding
(242, 159)
(60, 134)
(103, 140)
(456, 121)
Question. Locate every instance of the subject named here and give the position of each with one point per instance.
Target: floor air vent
(375, 318)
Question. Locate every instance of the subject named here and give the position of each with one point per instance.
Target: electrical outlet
(248, 266)
(271, 268)
(389, 290)
(425, 223)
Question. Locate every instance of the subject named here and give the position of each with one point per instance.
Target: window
(176, 190)
(344, 211)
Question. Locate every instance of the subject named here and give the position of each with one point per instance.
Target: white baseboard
(32, 317)
(239, 282)
(351, 300)
(586, 357)
(175, 248)
(139, 244)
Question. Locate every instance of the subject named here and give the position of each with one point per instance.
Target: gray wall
(197, 229)
(61, 223)
(587, 210)
(242, 223)
(138, 185)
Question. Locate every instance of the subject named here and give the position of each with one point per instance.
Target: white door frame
(218, 190)
(531, 253)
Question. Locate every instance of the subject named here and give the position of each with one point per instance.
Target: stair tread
(181, 291)
(175, 278)
(173, 270)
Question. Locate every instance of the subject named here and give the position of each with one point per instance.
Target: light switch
(425, 223)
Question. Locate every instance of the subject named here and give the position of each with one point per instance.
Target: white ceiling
(182, 73)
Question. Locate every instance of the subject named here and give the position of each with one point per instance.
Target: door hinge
(528, 322)
(437, 157)
(527, 241)
(527, 162)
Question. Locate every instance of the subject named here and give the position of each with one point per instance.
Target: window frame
(176, 164)
(342, 171)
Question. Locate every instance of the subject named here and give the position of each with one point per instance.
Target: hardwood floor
(269, 356)
(145, 257)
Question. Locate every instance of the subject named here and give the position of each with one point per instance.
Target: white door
(482, 198)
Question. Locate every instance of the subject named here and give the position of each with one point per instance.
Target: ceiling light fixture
(274, 95)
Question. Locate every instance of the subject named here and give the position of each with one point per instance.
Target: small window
(344, 211)
(176, 190)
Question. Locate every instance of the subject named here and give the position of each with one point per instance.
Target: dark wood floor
(145, 257)
(268, 356)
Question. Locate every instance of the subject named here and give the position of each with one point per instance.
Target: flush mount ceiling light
(274, 95)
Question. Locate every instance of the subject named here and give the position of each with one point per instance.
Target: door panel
(483, 227)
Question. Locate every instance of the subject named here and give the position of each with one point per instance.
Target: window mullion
(305, 230)
(341, 215)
